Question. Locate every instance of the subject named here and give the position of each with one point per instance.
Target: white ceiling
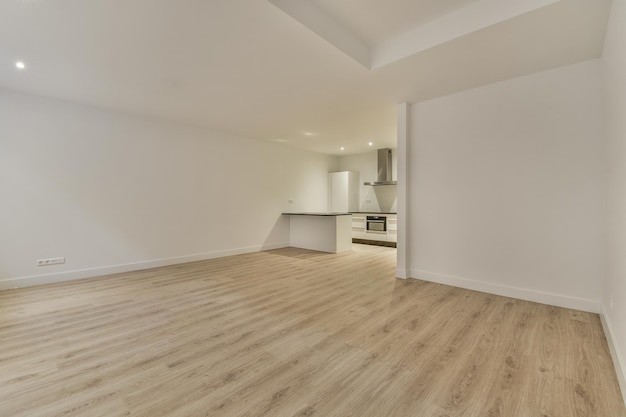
(248, 68)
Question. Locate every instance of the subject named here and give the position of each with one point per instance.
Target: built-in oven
(376, 224)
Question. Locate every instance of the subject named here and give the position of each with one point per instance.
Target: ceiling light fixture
(20, 65)
(309, 134)
(342, 148)
(370, 144)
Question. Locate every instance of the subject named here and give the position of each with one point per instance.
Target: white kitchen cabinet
(358, 226)
(392, 228)
(376, 235)
(343, 191)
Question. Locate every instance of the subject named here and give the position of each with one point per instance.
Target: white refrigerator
(343, 191)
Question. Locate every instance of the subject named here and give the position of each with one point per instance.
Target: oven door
(376, 224)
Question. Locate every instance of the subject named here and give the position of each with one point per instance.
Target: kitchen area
(362, 198)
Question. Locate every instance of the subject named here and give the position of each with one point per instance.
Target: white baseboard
(513, 292)
(618, 362)
(19, 282)
(402, 273)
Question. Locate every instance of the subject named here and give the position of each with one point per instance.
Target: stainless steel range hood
(384, 169)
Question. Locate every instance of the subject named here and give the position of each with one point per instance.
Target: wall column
(403, 264)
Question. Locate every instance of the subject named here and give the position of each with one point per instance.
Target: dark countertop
(316, 214)
(373, 212)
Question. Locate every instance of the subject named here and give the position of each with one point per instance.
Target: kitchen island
(324, 232)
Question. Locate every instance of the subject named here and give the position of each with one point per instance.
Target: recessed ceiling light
(370, 144)
(342, 148)
(20, 65)
(309, 134)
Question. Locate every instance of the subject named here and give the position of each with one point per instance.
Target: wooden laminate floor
(295, 333)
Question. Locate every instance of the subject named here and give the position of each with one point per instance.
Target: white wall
(614, 61)
(507, 188)
(114, 192)
(372, 199)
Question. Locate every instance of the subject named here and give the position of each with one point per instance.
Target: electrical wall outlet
(50, 261)
(290, 201)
